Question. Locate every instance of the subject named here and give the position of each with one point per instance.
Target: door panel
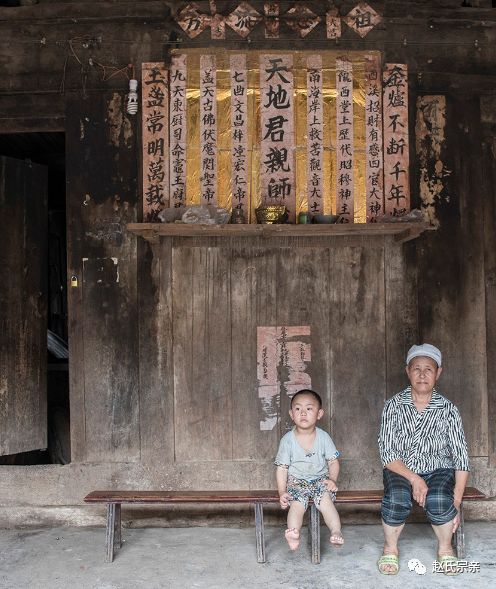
(23, 328)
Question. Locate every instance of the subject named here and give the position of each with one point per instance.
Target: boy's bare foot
(336, 538)
(292, 538)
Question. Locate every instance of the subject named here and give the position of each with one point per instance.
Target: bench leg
(315, 533)
(259, 531)
(117, 526)
(110, 532)
(459, 538)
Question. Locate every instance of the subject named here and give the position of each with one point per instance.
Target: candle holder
(271, 214)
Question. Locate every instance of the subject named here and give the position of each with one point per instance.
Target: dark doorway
(48, 149)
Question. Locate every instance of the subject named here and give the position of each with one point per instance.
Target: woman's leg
(439, 507)
(395, 508)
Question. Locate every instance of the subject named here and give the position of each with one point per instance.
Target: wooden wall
(162, 336)
(205, 300)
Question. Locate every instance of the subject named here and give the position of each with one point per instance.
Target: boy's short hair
(313, 394)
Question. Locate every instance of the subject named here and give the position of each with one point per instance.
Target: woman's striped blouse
(424, 441)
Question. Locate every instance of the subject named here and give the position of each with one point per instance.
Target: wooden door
(23, 328)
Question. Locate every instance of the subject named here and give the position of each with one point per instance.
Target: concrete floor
(218, 558)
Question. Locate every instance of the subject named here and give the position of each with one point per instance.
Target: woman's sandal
(292, 538)
(336, 540)
(390, 560)
(449, 564)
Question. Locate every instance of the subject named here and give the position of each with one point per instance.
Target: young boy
(307, 468)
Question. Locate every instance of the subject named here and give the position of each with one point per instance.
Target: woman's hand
(419, 490)
(284, 500)
(330, 485)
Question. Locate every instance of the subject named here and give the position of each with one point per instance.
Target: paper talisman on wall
(281, 351)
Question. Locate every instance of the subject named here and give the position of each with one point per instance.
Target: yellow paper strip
(373, 133)
(344, 140)
(315, 135)
(178, 131)
(208, 130)
(239, 134)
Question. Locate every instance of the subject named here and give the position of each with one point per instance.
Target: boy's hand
(330, 485)
(284, 500)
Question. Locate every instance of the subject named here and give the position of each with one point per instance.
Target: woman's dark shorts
(397, 499)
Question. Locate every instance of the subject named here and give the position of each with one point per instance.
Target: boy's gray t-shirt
(302, 464)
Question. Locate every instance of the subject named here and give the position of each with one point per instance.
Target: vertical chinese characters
(178, 128)
(239, 132)
(373, 139)
(277, 177)
(315, 135)
(344, 140)
(396, 158)
(155, 100)
(208, 130)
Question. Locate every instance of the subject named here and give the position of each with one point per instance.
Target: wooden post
(109, 540)
(315, 533)
(259, 530)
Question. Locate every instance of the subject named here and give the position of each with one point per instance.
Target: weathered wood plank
(487, 188)
(151, 230)
(303, 300)
(253, 304)
(103, 336)
(78, 10)
(156, 363)
(358, 363)
(202, 354)
(263, 495)
(400, 311)
(451, 279)
(23, 302)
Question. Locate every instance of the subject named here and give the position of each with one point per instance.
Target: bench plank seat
(114, 500)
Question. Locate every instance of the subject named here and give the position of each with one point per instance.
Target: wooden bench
(114, 500)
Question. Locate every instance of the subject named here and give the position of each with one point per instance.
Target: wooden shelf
(402, 231)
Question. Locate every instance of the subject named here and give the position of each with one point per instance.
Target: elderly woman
(424, 454)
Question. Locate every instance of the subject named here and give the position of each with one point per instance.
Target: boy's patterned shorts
(302, 490)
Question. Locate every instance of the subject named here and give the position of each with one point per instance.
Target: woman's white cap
(427, 350)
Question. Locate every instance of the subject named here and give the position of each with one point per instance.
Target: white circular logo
(414, 564)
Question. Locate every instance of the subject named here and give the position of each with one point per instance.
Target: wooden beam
(401, 231)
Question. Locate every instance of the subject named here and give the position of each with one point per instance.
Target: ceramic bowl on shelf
(319, 218)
